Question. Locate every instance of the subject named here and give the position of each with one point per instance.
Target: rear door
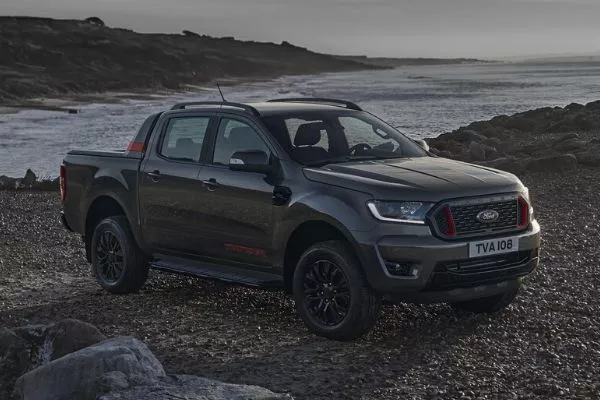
(169, 189)
(237, 206)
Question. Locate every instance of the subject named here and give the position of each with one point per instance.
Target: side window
(184, 137)
(234, 135)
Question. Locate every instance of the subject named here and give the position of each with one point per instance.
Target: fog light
(401, 268)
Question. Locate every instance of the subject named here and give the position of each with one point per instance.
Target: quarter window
(184, 138)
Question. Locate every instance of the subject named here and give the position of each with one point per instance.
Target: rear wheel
(118, 264)
(490, 304)
(331, 292)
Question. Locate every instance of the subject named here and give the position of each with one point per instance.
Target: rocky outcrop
(542, 140)
(29, 181)
(73, 360)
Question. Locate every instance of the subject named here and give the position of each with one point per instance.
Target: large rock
(70, 335)
(569, 144)
(29, 178)
(83, 374)
(555, 163)
(26, 348)
(193, 388)
(7, 183)
(14, 360)
(476, 151)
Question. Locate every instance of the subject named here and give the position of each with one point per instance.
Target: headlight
(412, 212)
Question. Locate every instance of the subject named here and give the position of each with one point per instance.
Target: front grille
(479, 271)
(464, 215)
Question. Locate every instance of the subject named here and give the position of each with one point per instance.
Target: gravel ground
(546, 345)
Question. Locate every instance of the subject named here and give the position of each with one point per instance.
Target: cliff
(42, 57)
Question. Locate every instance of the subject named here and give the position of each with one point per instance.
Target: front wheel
(118, 264)
(490, 304)
(332, 294)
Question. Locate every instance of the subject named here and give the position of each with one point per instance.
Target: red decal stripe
(254, 251)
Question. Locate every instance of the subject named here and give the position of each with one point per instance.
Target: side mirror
(250, 161)
(422, 143)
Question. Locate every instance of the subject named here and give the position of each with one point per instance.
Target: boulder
(469, 136)
(7, 183)
(26, 348)
(476, 151)
(569, 145)
(593, 106)
(564, 137)
(83, 374)
(14, 360)
(554, 163)
(574, 107)
(445, 154)
(70, 335)
(193, 388)
(29, 179)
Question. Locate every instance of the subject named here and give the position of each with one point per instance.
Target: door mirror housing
(422, 143)
(250, 161)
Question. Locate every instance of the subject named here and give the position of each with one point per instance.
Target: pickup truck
(313, 196)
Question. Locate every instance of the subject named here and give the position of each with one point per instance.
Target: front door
(169, 189)
(237, 205)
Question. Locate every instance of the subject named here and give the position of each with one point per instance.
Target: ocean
(422, 101)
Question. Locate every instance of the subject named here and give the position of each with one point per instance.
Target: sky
(395, 28)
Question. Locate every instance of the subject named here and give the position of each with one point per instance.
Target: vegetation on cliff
(44, 57)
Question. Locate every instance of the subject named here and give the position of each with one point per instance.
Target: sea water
(422, 101)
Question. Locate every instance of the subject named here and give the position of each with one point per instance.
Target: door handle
(154, 175)
(211, 184)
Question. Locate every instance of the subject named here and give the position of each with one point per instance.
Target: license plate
(493, 246)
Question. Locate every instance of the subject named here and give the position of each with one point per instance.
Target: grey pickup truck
(313, 196)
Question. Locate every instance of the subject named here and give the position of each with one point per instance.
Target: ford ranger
(313, 196)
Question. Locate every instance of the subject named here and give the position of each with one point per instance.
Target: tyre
(490, 304)
(118, 264)
(332, 294)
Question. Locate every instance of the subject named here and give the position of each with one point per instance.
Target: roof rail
(347, 104)
(182, 106)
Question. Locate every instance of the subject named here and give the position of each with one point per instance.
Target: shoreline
(70, 101)
(540, 140)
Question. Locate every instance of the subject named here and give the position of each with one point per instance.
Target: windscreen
(330, 137)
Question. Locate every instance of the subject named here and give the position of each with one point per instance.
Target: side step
(221, 272)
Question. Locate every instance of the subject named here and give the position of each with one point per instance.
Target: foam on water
(421, 100)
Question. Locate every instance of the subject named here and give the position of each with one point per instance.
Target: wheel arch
(101, 207)
(307, 234)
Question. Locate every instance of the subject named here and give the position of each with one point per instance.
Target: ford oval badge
(487, 216)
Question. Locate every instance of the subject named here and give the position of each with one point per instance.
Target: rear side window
(184, 138)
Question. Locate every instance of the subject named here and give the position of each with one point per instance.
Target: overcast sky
(443, 28)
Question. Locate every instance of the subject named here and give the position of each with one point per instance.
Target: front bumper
(442, 270)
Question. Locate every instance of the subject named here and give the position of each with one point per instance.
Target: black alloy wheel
(332, 294)
(326, 293)
(118, 263)
(110, 258)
